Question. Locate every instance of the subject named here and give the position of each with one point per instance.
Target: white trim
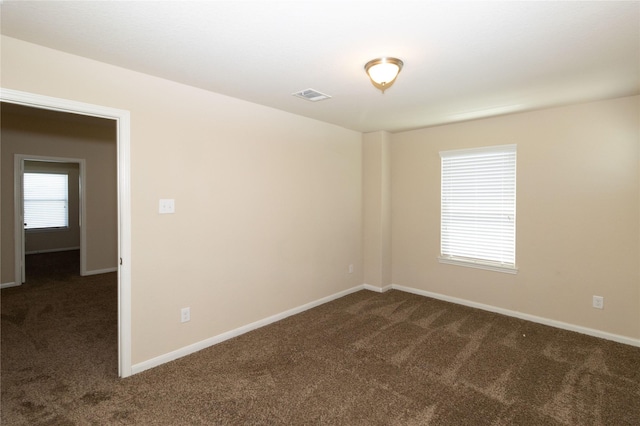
(124, 246)
(190, 349)
(478, 264)
(533, 318)
(376, 288)
(480, 150)
(123, 120)
(100, 271)
(7, 285)
(203, 344)
(18, 220)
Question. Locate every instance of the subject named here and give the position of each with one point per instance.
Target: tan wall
(268, 204)
(270, 207)
(577, 214)
(54, 135)
(42, 241)
(376, 222)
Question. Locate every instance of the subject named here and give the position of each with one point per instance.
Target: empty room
(318, 212)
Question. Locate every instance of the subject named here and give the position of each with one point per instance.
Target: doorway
(71, 235)
(122, 120)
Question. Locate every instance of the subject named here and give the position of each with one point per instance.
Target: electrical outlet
(166, 206)
(351, 269)
(185, 314)
(598, 302)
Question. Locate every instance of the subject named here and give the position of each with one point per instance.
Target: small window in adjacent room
(478, 208)
(46, 200)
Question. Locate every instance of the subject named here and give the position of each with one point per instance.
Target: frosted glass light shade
(383, 71)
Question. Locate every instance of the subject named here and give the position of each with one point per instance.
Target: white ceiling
(463, 60)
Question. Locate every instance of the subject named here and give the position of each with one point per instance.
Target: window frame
(448, 256)
(24, 197)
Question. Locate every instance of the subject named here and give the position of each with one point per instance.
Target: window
(46, 200)
(478, 208)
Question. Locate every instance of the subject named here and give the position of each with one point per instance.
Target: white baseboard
(52, 250)
(533, 318)
(100, 271)
(7, 285)
(376, 288)
(187, 350)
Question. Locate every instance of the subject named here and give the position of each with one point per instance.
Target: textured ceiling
(463, 60)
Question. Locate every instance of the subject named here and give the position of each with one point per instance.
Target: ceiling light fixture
(383, 71)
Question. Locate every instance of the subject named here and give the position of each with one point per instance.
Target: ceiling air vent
(311, 95)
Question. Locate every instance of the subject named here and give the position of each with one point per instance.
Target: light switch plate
(167, 205)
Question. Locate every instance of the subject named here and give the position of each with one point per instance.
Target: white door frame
(123, 121)
(18, 169)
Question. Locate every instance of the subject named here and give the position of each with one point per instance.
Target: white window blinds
(46, 200)
(478, 207)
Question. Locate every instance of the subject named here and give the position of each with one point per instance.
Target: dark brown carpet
(365, 359)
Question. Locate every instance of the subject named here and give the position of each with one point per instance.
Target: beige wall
(60, 239)
(56, 135)
(577, 214)
(268, 204)
(271, 208)
(376, 213)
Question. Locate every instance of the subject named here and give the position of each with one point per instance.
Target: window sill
(488, 266)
